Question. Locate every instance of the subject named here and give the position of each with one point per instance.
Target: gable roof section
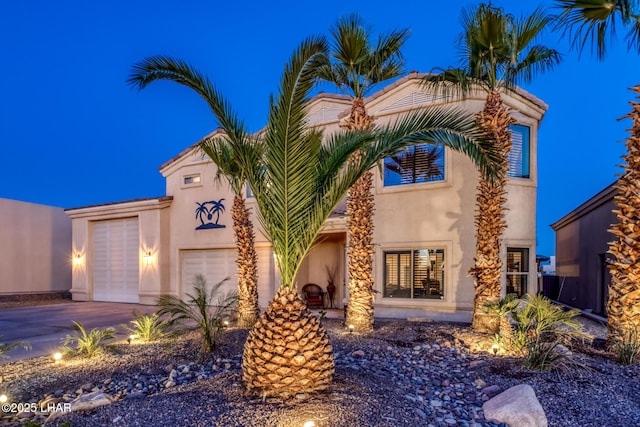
(590, 205)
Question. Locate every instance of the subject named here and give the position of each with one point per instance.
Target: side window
(191, 180)
(414, 274)
(520, 153)
(517, 271)
(416, 164)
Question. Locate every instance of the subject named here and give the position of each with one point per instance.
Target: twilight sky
(73, 133)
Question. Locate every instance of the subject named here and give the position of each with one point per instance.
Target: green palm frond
(593, 22)
(356, 65)
(497, 50)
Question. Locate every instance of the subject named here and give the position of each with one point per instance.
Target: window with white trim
(415, 164)
(414, 274)
(517, 271)
(519, 156)
(191, 179)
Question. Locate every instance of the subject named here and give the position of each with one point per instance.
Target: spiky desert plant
(85, 343)
(147, 327)
(627, 347)
(356, 66)
(297, 183)
(594, 22)
(502, 313)
(165, 68)
(204, 310)
(497, 52)
(6, 347)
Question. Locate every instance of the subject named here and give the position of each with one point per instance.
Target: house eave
(594, 202)
(120, 208)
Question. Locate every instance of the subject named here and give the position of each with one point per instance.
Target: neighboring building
(582, 242)
(424, 222)
(35, 249)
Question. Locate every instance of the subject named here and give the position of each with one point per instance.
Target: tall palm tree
(497, 53)
(595, 21)
(355, 67)
(297, 182)
(165, 68)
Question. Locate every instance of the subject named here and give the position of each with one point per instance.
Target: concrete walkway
(45, 326)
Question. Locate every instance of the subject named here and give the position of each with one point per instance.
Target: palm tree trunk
(360, 207)
(247, 262)
(287, 351)
(623, 305)
(490, 223)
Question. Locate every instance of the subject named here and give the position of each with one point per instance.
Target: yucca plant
(147, 327)
(627, 347)
(6, 347)
(297, 182)
(204, 310)
(85, 343)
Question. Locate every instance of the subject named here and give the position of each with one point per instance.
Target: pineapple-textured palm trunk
(360, 207)
(287, 352)
(623, 305)
(494, 120)
(247, 261)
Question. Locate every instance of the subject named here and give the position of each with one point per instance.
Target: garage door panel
(116, 260)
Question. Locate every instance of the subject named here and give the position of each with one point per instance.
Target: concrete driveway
(45, 326)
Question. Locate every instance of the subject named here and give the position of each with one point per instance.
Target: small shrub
(5, 347)
(87, 344)
(540, 327)
(627, 347)
(147, 327)
(199, 310)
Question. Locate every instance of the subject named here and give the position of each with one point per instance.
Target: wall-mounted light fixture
(148, 258)
(77, 259)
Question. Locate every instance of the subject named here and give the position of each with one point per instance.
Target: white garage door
(116, 260)
(216, 264)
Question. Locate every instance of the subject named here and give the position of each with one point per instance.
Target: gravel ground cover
(403, 374)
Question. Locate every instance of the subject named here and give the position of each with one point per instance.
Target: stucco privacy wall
(36, 248)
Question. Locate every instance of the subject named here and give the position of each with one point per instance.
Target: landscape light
(495, 348)
(225, 323)
(309, 424)
(4, 398)
(57, 356)
(351, 328)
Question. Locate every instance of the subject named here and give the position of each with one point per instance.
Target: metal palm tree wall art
(207, 212)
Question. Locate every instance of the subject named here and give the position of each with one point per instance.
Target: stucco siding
(35, 254)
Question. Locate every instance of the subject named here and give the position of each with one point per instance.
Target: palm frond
(593, 22)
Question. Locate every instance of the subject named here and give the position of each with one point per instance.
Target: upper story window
(191, 180)
(416, 164)
(414, 274)
(519, 156)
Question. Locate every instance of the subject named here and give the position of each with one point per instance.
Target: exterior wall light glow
(77, 260)
(148, 258)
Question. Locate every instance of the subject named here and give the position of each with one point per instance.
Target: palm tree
(497, 52)
(297, 181)
(164, 68)
(595, 21)
(355, 67)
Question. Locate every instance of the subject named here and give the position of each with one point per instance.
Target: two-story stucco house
(424, 222)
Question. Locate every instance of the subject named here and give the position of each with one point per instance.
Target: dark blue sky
(72, 133)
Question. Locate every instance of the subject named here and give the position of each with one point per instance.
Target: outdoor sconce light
(57, 357)
(351, 328)
(495, 348)
(77, 260)
(148, 258)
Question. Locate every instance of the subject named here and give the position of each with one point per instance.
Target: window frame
(525, 157)
(429, 293)
(522, 287)
(194, 183)
(437, 182)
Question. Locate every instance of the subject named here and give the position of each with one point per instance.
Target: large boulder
(517, 406)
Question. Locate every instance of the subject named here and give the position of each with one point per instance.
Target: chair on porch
(313, 295)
